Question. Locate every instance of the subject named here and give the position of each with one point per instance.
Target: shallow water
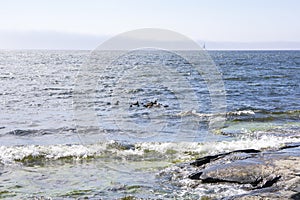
(47, 149)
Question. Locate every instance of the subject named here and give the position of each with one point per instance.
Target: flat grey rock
(266, 174)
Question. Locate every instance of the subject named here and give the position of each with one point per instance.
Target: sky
(78, 24)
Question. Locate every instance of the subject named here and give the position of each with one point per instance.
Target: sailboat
(203, 46)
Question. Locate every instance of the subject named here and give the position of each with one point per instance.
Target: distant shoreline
(189, 50)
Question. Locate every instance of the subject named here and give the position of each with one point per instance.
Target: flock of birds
(149, 104)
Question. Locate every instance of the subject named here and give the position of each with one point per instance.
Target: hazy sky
(82, 24)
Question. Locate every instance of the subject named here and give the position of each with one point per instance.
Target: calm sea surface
(123, 130)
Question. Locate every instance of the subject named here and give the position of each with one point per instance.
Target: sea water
(48, 149)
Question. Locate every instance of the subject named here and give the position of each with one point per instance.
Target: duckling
(135, 104)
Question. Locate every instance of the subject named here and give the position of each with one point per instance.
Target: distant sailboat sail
(204, 45)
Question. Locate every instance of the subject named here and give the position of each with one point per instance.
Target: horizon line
(55, 40)
(215, 49)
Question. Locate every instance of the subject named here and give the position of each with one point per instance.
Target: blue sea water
(49, 148)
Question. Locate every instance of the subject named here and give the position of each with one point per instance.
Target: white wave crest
(184, 150)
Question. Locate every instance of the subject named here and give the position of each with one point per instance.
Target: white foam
(242, 112)
(193, 112)
(184, 150)
(217, 147)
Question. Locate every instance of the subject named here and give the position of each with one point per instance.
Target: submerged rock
(265, 174)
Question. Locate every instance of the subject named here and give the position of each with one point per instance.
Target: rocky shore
(265, 174)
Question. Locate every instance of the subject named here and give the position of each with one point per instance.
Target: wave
(253, 111)
(38, 132)
(263, 116)
(167, 151)
(233, 113)
(240, 115)
(243, 112)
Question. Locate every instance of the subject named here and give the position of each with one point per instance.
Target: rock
(267, 175)
(293, 145)
(296, 196)
(207, 159)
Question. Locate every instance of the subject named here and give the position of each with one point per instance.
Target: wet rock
(296, 196)
(208, 159)
(267, 174)
(248, 171)
(293, 145)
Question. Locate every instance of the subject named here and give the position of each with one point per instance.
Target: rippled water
(49, 149)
